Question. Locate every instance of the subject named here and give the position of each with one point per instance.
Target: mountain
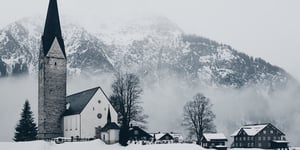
(20, 44)
(152, 47)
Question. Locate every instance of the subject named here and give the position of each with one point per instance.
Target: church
(78, 115)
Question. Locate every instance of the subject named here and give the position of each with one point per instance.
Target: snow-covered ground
(92, 145)
(97, 144)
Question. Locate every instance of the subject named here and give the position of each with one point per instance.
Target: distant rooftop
(214, 136)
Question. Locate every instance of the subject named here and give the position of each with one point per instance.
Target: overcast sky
(269, 29)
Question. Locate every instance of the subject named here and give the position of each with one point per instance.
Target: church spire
(108, 115)
(52, 29)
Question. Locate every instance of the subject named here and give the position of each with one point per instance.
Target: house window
(55, 64)
(136, 132)
(269, 138)
(263, 138)
(271, 131)
(103, 137)
(264, 131)
(259, 138)
(259, 144)
(93, 108)
(244, 138)
(99, 101)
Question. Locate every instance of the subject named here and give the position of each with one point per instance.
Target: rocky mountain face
(154, 48)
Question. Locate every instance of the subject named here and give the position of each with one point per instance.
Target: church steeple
(108, 115)
(52, 77)
(52, 29)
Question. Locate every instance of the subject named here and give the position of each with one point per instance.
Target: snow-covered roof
(159, 135)
(177, 135)
(214, 136)
(250, 130)
(280, 141)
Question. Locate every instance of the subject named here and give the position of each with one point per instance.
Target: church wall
(90, 118)
(72, 126)
(114, 136)
(111, 136)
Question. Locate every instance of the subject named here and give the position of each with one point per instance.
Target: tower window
(55, 64)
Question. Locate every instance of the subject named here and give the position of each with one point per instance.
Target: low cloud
(163, 101)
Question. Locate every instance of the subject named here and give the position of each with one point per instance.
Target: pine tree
(26, 129)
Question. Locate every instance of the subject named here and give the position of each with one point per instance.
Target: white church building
(80, 115)
(86, 111)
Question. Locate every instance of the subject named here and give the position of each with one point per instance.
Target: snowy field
(92, 145)
(98, 145)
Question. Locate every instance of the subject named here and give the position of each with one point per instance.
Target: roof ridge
(84, 91)
(256, 124)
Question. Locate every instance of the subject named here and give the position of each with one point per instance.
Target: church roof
(109, 126)
(52, 29)
(78, 101)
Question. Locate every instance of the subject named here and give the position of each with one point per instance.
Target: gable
(77, 102)
(55, 50)
(270, 127)
(167, 136)
(138, 132)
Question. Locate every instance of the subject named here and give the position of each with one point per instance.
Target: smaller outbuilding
(137, 134)
(178, 138)
(163, 138)
(110, 132)
(214, 140)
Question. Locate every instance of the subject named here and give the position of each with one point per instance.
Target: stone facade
(51, 92)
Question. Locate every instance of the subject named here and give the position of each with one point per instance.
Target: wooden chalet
(265, 136)
(214, 140)
(138, 134)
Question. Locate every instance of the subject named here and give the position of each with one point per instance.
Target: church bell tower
(52, 77)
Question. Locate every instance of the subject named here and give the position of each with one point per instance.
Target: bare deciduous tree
(126, 100)
(198, 116)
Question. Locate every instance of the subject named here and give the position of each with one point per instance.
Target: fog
(163, 101)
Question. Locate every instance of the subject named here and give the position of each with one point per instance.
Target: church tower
(52, 77)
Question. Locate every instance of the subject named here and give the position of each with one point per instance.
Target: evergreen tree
(26, 129)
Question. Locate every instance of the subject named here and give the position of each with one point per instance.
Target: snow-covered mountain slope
(20, 44)
(152, 47)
